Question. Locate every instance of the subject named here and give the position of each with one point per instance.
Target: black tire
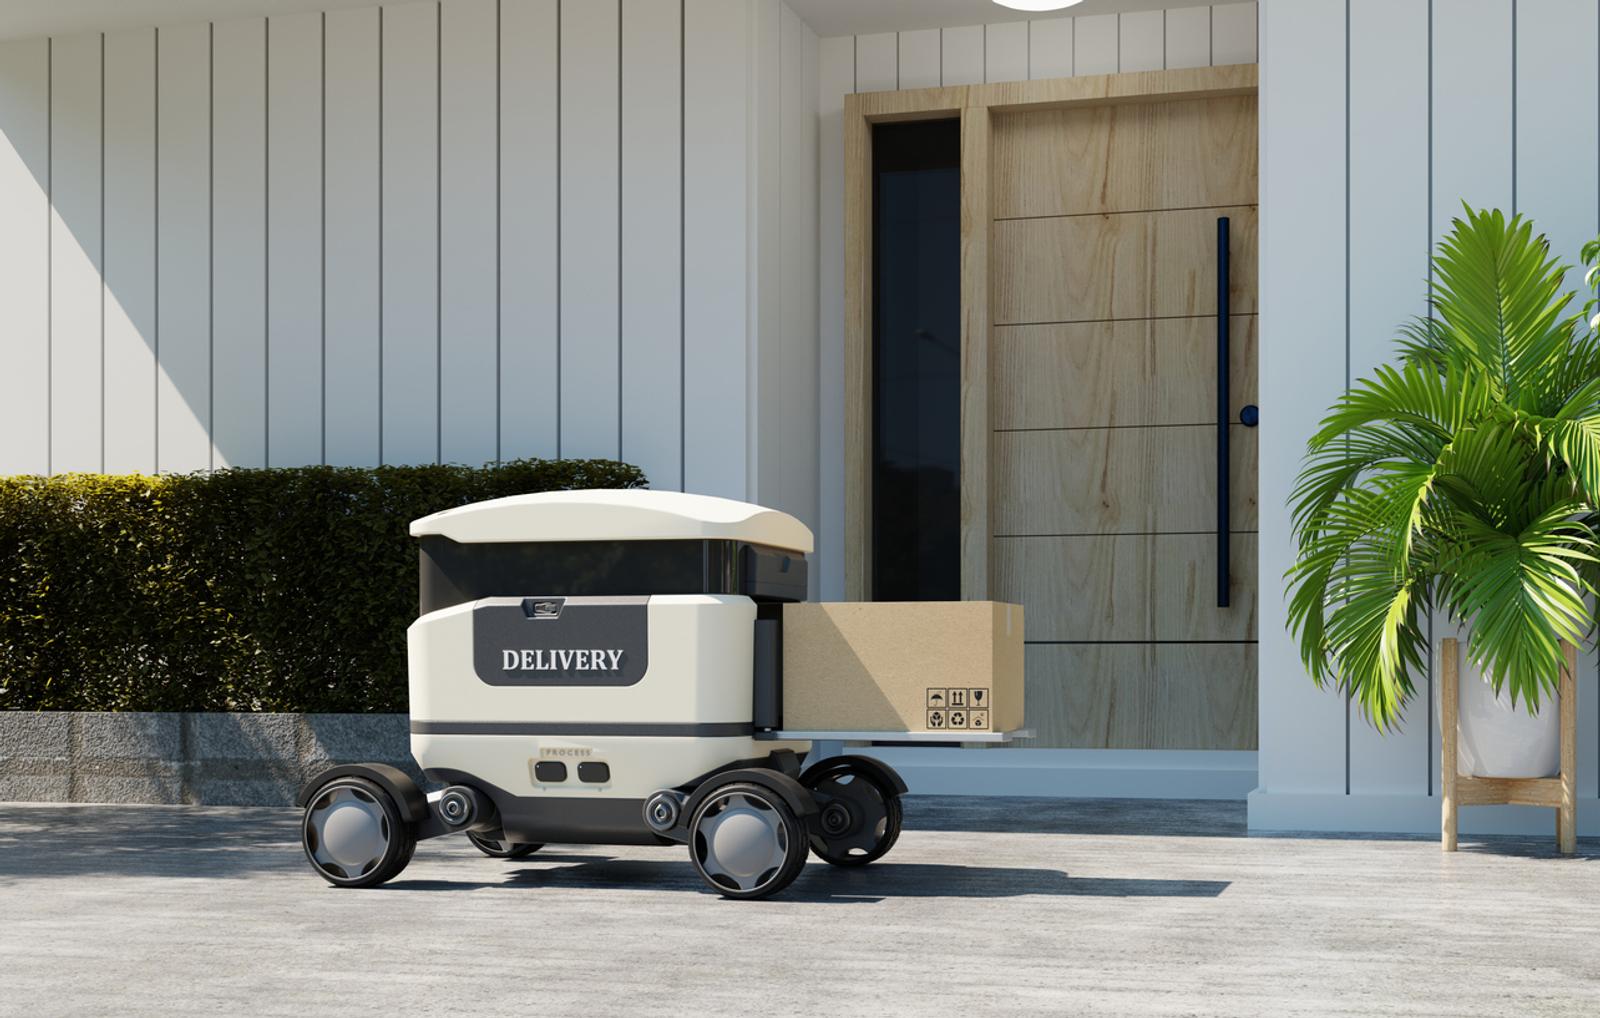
(762, 849)
(494, 845)
(872, 809)
(353, 834)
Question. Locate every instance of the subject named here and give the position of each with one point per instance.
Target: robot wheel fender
(793, 793)
(410, 799)
(885, 774)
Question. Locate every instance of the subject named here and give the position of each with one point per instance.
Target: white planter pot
(1495, 739)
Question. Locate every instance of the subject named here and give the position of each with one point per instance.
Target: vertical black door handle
(1223, 551)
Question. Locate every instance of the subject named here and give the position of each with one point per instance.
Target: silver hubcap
(346, 831)
(740, 841)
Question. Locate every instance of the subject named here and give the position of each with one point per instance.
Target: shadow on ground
(820, 882)
(72, 841)
(179, 841)
(225, 842)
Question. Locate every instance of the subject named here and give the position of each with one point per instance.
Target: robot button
(594, 772)
(550, 770)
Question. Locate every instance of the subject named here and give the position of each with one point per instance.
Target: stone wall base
(199, 759)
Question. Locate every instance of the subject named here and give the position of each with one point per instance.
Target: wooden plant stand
(1559, 793)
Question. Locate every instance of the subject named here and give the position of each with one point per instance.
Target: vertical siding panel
(24, 256)
(350, 224)
(810, 461)
(877, 62)
(962, 60)
(919, 58)
(1388, 269)
(75, 254)
(1141, 40)
(766, 280)
(1303, 306)
(590, 177)
(1188, 37)
(835, 76)
(410, 234)
(239, 234)
(1556, 58)
(294, 239)
(716, 79)
(130, 263)
(1471, 109)
(183, 239)
(1556, 113)
(1233, 33)
(468, 384)
(797, 269)
(1005, 51)
(1050, 48)
(1094, 44)
(529, 268)
(652, 344)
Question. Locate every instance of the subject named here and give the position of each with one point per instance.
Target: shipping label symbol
(958, 697)
(938, 697)
(978, 719)
(958, 719)
(936, 719)
(976, 697)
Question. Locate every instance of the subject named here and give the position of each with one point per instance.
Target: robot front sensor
(603, 668)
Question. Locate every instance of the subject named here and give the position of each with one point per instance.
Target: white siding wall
(1011, 51)
(458, 231)
(1379, 117)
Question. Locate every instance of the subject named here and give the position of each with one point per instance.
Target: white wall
(1010, 51)
(1378, 117)
(460, 231)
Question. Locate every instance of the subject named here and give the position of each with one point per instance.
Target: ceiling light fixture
(1037, 5)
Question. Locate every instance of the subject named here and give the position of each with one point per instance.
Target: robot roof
(616, 515)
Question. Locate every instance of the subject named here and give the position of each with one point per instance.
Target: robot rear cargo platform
(638, 667)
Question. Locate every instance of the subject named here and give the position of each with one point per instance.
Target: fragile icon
(979, 697)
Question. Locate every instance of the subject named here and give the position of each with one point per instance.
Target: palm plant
(1466, 478)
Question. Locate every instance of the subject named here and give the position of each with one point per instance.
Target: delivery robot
(604, 667)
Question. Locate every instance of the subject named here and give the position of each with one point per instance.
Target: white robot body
(564, 697)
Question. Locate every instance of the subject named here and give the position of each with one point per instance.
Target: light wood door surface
(1118, 374)
(1103, 400)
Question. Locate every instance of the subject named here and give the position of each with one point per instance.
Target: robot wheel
(745, 841)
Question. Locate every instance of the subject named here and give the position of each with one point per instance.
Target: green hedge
(240, 590)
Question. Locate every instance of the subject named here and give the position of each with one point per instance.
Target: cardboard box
(902, 666)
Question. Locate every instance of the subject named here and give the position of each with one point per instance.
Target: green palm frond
(1464, 477)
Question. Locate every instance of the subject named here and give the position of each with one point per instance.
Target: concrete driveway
(985, 907)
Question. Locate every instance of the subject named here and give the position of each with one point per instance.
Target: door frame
(973, 106)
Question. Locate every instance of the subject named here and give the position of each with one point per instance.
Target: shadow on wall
(230, 326)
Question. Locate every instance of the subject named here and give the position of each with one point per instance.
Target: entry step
(944, 735)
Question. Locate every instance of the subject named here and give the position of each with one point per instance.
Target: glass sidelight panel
(916, 361)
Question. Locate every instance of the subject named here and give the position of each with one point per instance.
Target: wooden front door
(1103, 510)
